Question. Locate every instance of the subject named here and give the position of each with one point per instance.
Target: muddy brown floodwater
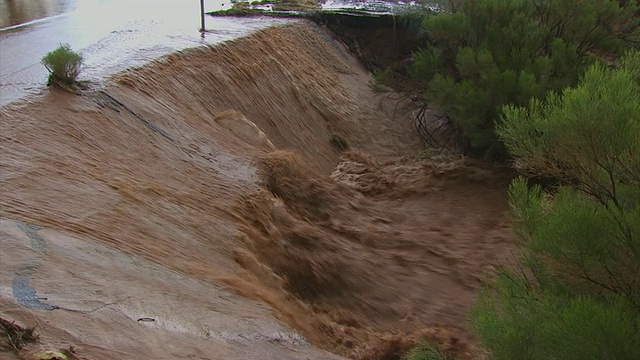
(216, 165)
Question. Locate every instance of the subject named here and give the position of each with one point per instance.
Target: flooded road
(14, 12)
(111, 34)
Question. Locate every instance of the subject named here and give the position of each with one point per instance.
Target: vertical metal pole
(202, 15)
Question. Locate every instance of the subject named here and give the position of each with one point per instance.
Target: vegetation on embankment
(280, 8)
(487, 54)
(576, 294)
(555, 88)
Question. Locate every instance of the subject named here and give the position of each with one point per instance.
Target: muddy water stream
(111, 34)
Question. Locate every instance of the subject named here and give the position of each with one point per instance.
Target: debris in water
(15, 337)
(147, 319)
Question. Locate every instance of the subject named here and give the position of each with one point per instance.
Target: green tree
(576, 293)
(494, 52)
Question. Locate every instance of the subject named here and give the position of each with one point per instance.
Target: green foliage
(381, 79)
(576, 294)
(63, 65)
(518, 324)
(411, 17)
(425, 351)
(495, 52)
(427, 62)
(588, 135)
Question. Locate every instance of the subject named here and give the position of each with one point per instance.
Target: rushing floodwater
(111, 34)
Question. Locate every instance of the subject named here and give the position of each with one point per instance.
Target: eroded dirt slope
(217, 163)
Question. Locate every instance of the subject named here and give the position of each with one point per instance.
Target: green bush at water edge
(489, 53)
(576, 293)
(63, 64)
(425, 351)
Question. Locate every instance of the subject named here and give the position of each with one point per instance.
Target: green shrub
(576, 294)
(425, 351)
(588, 135)
(382, 79)
(495, 52)
(63, 64)
(410, 17)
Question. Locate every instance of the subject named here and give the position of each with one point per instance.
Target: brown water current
(211, 174)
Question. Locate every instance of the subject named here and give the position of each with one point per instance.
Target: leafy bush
(494, 52)
(588, 135)
(425, 351)
(382, 79)
(576, 294)
(63, 64)
(411, 17)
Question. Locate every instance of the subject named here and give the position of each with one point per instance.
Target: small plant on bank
(339, 142)
(63, 64)
(425, 351)
(381, 80)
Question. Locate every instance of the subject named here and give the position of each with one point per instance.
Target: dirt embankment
(218, 163)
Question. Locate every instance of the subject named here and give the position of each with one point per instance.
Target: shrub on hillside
(63, 64)
(494, 52)
(576, 294)
(425, 351)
